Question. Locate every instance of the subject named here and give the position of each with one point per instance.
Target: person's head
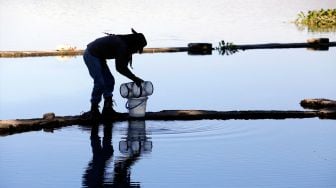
(135, 41)
(140, 41)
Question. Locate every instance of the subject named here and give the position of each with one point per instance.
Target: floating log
(18, 54)
(14, 54)
(326, 107)
(200, 49)
(317, 46)
(313, 43)
(318, 104)
(8, 127)
(192, 49)
(165, 50)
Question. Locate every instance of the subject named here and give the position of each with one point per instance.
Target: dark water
(259, 153)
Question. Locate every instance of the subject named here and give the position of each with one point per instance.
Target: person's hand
(138, 81)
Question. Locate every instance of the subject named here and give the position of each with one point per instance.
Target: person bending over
(120, 48)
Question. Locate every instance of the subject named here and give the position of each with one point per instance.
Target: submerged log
(8, 127)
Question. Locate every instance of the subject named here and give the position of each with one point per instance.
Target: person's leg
(109, 82)
(108, 111)
(94, 66)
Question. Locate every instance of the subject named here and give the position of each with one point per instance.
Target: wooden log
(192, 49)
(200, 48)
(318, 41)
(80, 52)
(311, 44)
(328, 113)
(318, 104)
(24, 125)
(165, 50)
(326, 107)
(226, 115)
(19, 54)
(286, 45)
(8, 127)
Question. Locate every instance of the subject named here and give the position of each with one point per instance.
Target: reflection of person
(132, 147)
(94, 175)
(122, 173)
(120, 48)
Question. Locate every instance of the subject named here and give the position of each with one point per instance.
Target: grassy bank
(318, 20)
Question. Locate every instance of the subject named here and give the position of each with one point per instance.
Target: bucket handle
(130, 108)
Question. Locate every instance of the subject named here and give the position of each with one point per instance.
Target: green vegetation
(226, 48)
(318, 20)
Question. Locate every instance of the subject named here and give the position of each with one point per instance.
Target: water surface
(258, 153)
(273, 153)
(44, 25)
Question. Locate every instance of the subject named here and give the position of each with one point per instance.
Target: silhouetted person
(120, 48)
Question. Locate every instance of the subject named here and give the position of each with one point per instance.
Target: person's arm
(122, 68)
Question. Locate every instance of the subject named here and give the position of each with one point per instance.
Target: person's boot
(108, 111)
(93, 114)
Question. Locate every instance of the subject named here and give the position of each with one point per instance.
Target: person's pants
(102, 77)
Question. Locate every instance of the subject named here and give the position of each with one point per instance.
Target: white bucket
(137, 106)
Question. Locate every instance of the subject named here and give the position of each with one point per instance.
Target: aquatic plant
(226, 48)
(318, 20)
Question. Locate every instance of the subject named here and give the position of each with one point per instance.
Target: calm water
(265, 153)
(175, 154)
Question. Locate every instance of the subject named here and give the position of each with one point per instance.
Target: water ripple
(196, 130)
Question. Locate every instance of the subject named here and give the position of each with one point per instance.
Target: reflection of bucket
(137, 106)
(136, 141)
